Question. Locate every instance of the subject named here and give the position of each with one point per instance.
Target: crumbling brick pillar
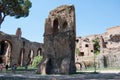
(59, 41)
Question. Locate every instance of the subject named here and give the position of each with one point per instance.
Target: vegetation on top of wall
(96, 46)
(77, 51)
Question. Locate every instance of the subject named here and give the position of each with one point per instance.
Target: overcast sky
(92, 17)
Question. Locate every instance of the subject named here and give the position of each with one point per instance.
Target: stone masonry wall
(109, 47)
(16, 50)
(59, 41)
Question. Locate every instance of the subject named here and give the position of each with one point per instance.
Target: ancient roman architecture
(109, 43)
(59, 41)
(18, 33)
(15, 49)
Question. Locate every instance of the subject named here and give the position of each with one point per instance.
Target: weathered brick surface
(59, 41)
(11, 47)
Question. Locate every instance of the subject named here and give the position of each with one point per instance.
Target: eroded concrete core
(59, 41)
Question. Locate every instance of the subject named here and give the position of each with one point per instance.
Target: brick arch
(30, 57)
(21, 57)
(39, 52)
(5, 51)
(65, 24)
(9, 41)
(80, 65)
(55, 25)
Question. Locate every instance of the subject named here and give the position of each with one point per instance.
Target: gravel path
(104, 75)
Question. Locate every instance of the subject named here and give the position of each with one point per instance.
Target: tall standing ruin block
(59, 41)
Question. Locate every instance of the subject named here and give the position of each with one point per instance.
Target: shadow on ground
(77, 76)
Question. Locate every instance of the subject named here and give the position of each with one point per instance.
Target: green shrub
(36, 61)
(96, 46)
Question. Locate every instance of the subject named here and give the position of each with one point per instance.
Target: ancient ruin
(109, 49)
(59, 41)
(59, 46)
(15, 49)
(18, 33)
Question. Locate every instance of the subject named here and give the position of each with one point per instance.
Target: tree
(96, 50)
(96, 46)
(16, 8)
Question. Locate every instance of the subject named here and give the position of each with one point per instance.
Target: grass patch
(92, 70)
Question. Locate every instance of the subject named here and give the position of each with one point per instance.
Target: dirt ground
(100, 75)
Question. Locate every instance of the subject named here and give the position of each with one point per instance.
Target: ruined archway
(49, 66)
(39, 52)
(78, 66)
(105, 61)
(55, 26)
(64, 25)
(5, 51)
(30, 57)
(21, 57)
(59, 44)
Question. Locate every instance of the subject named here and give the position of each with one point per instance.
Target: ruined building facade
(17, 50)
(59, 41)
(109, 43)
(110, 53)
(84, 56)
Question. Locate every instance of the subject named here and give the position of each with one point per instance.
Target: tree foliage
(96, 46)
(36, 61)
(16, 8)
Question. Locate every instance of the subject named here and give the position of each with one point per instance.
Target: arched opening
(86, 45)
(49, 66)
(77, 40)
(39, 52)
(21, 57)
(81, 54)
(78, 66)
(30, 57)
(3, 47)
(64, 25)
(105, 61)
(55, 26)
(5, 52)
(23, 43)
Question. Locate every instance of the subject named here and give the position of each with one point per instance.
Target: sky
(92, 17)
